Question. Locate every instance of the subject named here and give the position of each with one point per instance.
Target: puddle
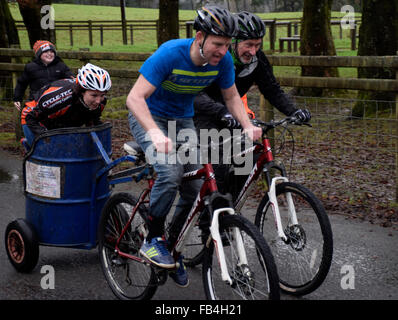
(4, 176)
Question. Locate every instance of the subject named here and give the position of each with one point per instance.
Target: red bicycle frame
(209, 187)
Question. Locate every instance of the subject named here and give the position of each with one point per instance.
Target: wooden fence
(296, 81)
(292, 29)
(298, 61)
(104, 25)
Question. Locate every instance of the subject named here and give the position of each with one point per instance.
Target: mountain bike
(237, 262)
(292, 220)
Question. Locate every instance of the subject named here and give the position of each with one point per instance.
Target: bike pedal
(161, 275)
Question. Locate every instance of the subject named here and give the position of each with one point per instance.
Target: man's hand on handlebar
(162, 143)
(303, 115)
(253, 132)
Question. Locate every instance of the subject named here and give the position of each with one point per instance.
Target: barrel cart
(66, 186)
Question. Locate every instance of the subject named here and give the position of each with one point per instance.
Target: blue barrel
(63, 197)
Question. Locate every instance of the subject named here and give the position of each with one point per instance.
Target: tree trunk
(232, 6)
(316, 40)
(8, 38)
(168, 26)
(31, 15)
(378, 36)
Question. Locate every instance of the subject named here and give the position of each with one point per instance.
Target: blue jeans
(169, 174)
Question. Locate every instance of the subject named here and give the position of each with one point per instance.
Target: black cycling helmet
(250, 26)
(216, 21)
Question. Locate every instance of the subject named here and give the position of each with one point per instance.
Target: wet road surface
(365, 252)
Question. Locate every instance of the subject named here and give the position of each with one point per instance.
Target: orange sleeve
(248, 110)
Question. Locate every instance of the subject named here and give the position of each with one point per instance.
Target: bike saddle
(133, 148)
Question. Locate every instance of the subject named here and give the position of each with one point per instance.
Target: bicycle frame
(205, 197)
(264, 164)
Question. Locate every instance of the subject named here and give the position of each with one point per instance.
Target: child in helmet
(68, 103)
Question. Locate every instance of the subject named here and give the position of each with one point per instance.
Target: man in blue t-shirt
(164, 92)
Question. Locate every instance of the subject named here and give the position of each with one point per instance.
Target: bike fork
(275, 208)
(215, 234)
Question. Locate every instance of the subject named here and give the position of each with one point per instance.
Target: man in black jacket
(251, 67)
(44, 69)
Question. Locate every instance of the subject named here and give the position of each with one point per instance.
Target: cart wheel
(22, 245)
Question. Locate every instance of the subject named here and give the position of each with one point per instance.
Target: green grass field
(144, 41)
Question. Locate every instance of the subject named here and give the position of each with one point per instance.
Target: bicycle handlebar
(273, 124)
(266, 126)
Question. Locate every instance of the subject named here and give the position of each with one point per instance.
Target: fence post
(272, 35)
(102, 34)
(396, 139)
(266, 113)
(90, 32)
(340, 31)
(354, 37)
(71, 35)
(296, 29)
(16, 113)
(289, 34)
(189, 28)
(131, 34)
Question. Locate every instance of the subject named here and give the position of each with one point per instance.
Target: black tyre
(304, 260)
(22, 245)
(256, 280)
(194, 244)
(194, 248)
(127, 278)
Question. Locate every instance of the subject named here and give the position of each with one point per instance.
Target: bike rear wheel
(258, 280)
(127, 278)
(304, 260)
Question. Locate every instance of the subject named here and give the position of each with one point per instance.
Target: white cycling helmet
(91, 77)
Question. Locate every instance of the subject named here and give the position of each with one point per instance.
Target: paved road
(368, 252)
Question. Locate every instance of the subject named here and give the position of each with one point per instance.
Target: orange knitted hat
(41, 46)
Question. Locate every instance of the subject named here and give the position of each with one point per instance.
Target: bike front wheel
(194, 248)
(128, 279)
(304, 259)
(256, 280)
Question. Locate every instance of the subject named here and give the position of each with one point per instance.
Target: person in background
(251, 68)
(44, 69)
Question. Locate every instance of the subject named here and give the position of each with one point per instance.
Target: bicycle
(302, 242)
(236, 265)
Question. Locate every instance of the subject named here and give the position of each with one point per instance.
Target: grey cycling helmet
(250, 26)
(216, 21)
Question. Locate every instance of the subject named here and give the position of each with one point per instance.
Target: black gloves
(303, 115)
(230, 122)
